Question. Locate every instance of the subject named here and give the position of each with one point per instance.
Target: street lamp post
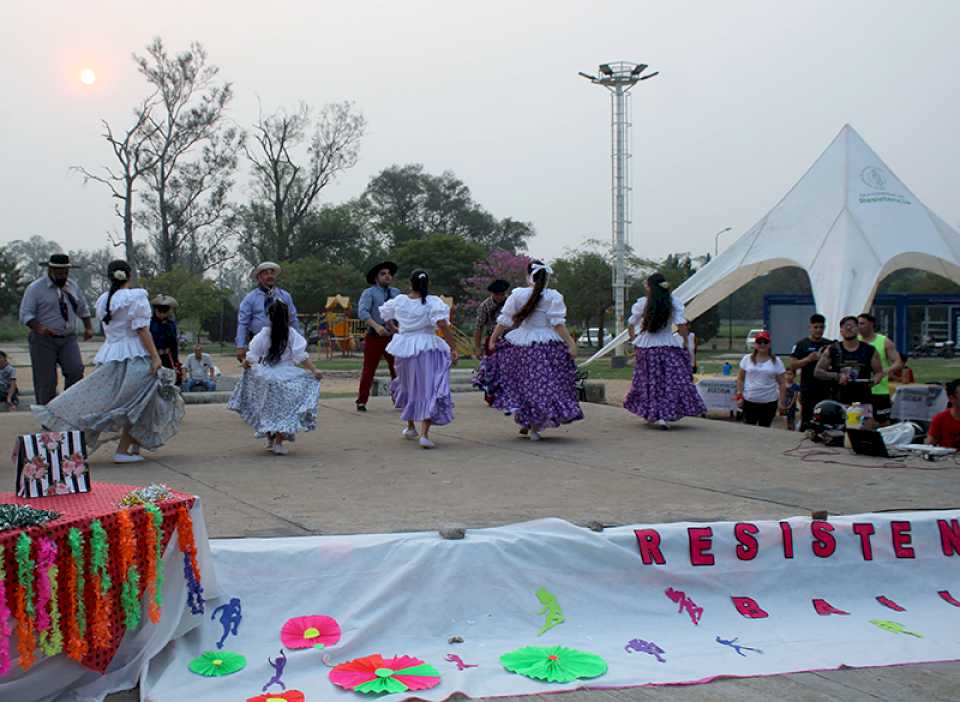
(716, 240)
(618, 78)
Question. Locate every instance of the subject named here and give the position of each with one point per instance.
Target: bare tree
(134, 159)
(194, 156)
(291, 183)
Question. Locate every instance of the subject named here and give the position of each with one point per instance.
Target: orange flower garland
(153, 545)
(191, 569)
(130, 588)
(75, 626)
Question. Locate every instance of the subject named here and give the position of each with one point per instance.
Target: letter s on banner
(747, 541)
(825, 543)
(748, 607)
(648, 541)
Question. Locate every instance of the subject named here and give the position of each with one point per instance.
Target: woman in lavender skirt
(662, 389)
(536, 367)
(422, 359)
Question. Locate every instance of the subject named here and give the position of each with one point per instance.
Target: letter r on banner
(648, 541)
(825, 609)
(748, 607)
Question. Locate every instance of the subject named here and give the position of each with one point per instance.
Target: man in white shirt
(200, 372)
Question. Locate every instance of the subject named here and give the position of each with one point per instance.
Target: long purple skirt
(663, 385)
(422, 387)
(487, 375)
(536, 384)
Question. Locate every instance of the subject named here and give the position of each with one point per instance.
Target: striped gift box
(52, 463)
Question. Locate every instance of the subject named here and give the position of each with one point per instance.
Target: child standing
(422, 386)
(274, 396)
(9, 394)
(790, 400)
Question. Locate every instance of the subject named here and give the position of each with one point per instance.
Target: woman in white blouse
(662, 390)
(129, 393)
(536, 369)
(422, 359)
(274, 396)
(761, 383)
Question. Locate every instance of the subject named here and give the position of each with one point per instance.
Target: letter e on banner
(947, 597)
(648, 540)
(747, 541)
(824, 608)
(824, 542)
(900, 531)
(890, 604)
(748, 607)
(949, 537)
(701, 539)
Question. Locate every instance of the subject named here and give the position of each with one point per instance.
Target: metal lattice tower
(618, 78)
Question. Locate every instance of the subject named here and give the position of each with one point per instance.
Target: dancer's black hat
(498, 286)
(372, 273)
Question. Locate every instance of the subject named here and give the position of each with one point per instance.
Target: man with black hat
(487, 314)
(252, 315)
(378, 332)
(166, 336)
(51, 307)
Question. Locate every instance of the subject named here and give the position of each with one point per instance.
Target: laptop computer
(867, 442)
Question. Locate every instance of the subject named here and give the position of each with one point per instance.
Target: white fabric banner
(718, 393)
(673, 603)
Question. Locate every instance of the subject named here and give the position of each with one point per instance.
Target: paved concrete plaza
(610, 469)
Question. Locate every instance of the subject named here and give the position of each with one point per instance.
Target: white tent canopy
(849, 222)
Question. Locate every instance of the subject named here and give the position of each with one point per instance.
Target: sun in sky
(88, 76)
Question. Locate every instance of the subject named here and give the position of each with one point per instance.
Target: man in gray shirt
(378, 334)
(51, 307)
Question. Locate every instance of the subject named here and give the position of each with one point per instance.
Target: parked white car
(751, 335)
(592, 335)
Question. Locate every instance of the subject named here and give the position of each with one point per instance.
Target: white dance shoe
(426, 443)
(409, 433)
(127, 458)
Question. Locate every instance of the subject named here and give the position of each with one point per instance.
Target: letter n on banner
(748, 607)
(825, 609)
(949, 537)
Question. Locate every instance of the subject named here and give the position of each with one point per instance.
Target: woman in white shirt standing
(274, 396)
(422, 359)
(662, 390)
(761, 383)
(129, 393)
(536, 369)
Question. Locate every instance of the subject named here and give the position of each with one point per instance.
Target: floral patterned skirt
(487, 375)
(662, 385)
(536, 384)
(118, 395)
(279, 399)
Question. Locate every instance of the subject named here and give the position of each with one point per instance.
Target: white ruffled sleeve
(139, 312)
(259, 346)
(510, 308)
(298, 347)
(557, 310)
(636, 312)
(388, 310)
(677, 317)
(439, 311)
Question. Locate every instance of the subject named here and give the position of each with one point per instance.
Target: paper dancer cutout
(551, 608)
(278, 666)
(641, 646)
(229, 619)
(680, 597)
(739, 648)
(893, 627)
(454, 658)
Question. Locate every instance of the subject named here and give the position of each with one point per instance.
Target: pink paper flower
(73, 465)
(35, 469)
(310, 632)
(51, 440)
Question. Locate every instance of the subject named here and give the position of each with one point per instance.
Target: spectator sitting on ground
(200, 372)
(945, 426)
(9, 394)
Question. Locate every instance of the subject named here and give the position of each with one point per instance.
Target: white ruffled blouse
(537, 328)
(418, 324)
(296, 351)
(661, 337)
(129, 311)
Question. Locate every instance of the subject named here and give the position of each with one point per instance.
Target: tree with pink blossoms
(498, 264)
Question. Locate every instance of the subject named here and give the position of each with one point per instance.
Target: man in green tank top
(892, 363)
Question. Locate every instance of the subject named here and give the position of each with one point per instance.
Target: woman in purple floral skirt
(536, 368)
(662, 389)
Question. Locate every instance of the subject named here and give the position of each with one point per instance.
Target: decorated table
(91, 594)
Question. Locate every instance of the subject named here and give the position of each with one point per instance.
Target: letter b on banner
(748, 607)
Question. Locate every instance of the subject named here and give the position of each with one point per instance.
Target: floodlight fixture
(650, 75)
(605, 69)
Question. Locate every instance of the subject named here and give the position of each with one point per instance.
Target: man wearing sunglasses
(51, 307)
(852, 364)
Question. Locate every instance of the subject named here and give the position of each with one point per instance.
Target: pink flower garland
(5, 630)
(46, 558)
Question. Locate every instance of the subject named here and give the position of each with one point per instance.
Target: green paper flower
(553, 663)
(216, 664)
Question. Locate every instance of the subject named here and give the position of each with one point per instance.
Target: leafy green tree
(311, 281)
(12, 283)
(32, 254)
(448, 259)
(585, 279)
(199, 300)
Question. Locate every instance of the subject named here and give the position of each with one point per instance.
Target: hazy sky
(750, 93)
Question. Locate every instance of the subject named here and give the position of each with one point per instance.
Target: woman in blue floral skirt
(536, 367)
(662, 389)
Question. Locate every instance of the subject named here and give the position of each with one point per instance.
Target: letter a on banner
(825, 609)
(748, 607)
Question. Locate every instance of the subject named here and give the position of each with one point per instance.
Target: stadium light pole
(618, 78)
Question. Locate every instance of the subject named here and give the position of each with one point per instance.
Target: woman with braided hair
(662, 390)
(536, 367)
(129, 393)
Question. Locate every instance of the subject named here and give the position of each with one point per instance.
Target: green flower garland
(130, 598)
(25, 571)
(51, 641)
(157, 517)
(98, 555)
(75, 539)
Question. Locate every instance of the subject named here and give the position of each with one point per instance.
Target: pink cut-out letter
(949, 537)
(901, 539)
(701, 539)
(824, 543)
(648, 540)
(787, 532)
(865, 530)
(824, 608)
(890, 604)
(748, 607)
(747, 546)
(947, 597)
